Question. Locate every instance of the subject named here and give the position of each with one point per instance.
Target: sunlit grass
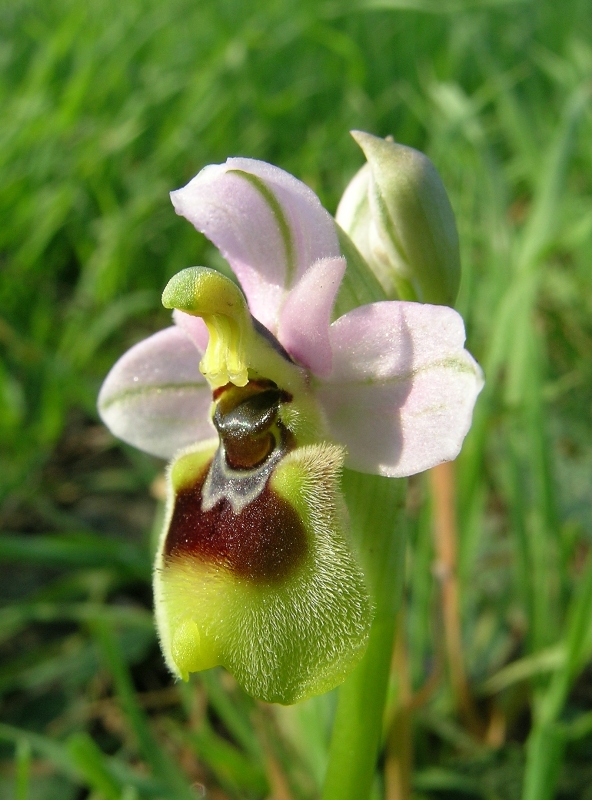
(106, 107)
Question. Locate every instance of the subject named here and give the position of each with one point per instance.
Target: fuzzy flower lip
(393, 379)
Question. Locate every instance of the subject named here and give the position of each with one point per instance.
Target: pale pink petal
(194, 327)
(402, 389)
(305, 316)
(155, 397)
(267, 224)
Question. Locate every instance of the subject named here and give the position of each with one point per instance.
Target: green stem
(375, 505)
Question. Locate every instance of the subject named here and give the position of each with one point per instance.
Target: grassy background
(106, 106)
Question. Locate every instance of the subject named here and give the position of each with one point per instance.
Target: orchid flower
(259, 397)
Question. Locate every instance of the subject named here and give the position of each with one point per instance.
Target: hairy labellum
(254, 571)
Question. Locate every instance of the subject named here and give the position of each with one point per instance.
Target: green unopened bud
(397, 213)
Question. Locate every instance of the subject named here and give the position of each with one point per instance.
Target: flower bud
(397, 212)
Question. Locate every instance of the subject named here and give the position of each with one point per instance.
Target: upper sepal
(269, 226)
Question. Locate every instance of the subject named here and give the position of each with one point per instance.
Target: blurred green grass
(106, 107)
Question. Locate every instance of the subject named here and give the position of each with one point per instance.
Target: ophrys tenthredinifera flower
(259, 399)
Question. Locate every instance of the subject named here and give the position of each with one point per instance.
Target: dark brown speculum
(263, 543)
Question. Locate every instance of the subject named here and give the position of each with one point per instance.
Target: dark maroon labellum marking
(264, 543)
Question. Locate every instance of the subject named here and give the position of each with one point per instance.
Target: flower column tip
(206, 293)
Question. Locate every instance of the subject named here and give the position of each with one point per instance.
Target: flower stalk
(376, 507)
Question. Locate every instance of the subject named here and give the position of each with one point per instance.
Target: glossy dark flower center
(246, 419)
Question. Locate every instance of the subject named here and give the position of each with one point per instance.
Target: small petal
(266, 223)
(155, 397)
(402, 389)
(304, 325)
